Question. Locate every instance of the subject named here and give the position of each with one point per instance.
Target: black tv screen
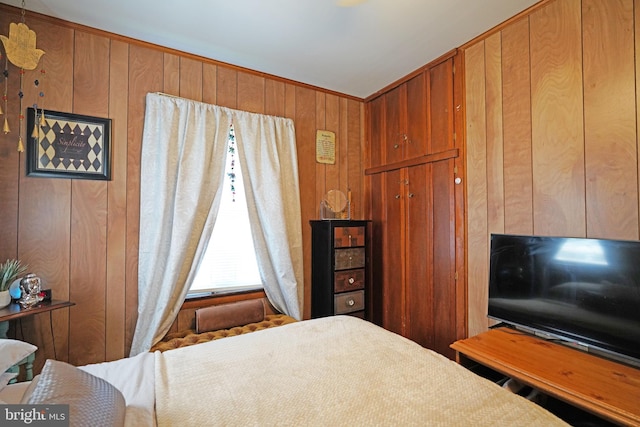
(583, 291)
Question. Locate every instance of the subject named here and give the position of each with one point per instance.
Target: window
(229, 262)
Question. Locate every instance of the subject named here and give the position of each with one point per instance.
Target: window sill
(205, 300)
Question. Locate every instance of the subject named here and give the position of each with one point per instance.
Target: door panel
(441, 106)
(419, 283)
(416, 128)
(378, 218)
(444, 289)
(395, 119)
(393, 292)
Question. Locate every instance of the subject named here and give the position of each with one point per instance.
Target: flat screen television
(583, 292)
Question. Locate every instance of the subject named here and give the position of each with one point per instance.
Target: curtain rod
(166, 94)
(219, 106)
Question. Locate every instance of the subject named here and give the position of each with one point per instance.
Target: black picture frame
(66, 145)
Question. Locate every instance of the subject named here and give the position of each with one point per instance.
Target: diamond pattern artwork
(74, 148)
(72, 145)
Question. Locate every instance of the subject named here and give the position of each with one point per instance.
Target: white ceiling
(354, 50)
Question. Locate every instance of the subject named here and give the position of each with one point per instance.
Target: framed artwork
(64, 145)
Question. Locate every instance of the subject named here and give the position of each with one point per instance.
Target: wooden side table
(15, 311)
(603, 387)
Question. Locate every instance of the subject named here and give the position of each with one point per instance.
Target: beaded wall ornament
(39, 117)
(232, 164)
(20, 50)
(5, 96)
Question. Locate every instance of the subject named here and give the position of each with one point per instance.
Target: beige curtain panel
(184, 147)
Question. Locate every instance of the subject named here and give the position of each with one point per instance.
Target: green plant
(9, 271)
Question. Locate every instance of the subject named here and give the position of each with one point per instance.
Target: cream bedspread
(330, 371)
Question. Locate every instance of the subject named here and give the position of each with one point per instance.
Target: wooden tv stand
(605, 388)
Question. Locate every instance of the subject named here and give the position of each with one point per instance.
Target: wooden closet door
(376, 110)
(419, 249)
(444, 255)
(393, 278)
(378, 218)
(441, 107)
(395, 124)
(416, 127)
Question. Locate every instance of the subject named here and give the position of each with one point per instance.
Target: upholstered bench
(213, 323)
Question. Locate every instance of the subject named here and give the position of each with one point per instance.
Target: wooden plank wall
(81, 236)
(551, 130)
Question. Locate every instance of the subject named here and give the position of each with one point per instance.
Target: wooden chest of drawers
(338, 267)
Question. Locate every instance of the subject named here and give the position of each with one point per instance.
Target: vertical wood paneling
(516, 121)
(495, 154)
(145, 75)
(251, 93)
(320, 168)
(274, 98)
(569, 82)
(117, 202)
(460, 178)
(290, 103)
(378, 217)
(636, 9)
(393, 241)
(89, 212)
(354, 158)
(557, 123)
(420, 285)
(343, 126)
(609, 113)
(444, 255)
(92, 227)
(416, 113)
(477, 235)
(227, 87)
(441, 106)
(191, 79)
(45, 203)
(304, 110)
(394, 124)
(91, 74)
(10, 170)
(332, 123)
(171, 74)
(209, 83)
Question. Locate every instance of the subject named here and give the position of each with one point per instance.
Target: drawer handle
(352, 280)
(351, 302)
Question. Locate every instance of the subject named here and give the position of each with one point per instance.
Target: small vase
(5, 299)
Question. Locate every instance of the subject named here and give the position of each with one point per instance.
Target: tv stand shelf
(605, 388)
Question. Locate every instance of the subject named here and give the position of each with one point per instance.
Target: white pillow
(5, 377)
(13, 351)
(91, 400)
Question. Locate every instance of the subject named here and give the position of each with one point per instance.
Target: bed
(337, 370)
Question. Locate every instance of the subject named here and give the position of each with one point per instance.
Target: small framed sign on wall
(64, 145)
(326, 147)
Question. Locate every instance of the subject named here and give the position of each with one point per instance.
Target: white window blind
(229, 262)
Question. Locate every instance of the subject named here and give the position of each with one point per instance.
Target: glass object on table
(30, 286)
